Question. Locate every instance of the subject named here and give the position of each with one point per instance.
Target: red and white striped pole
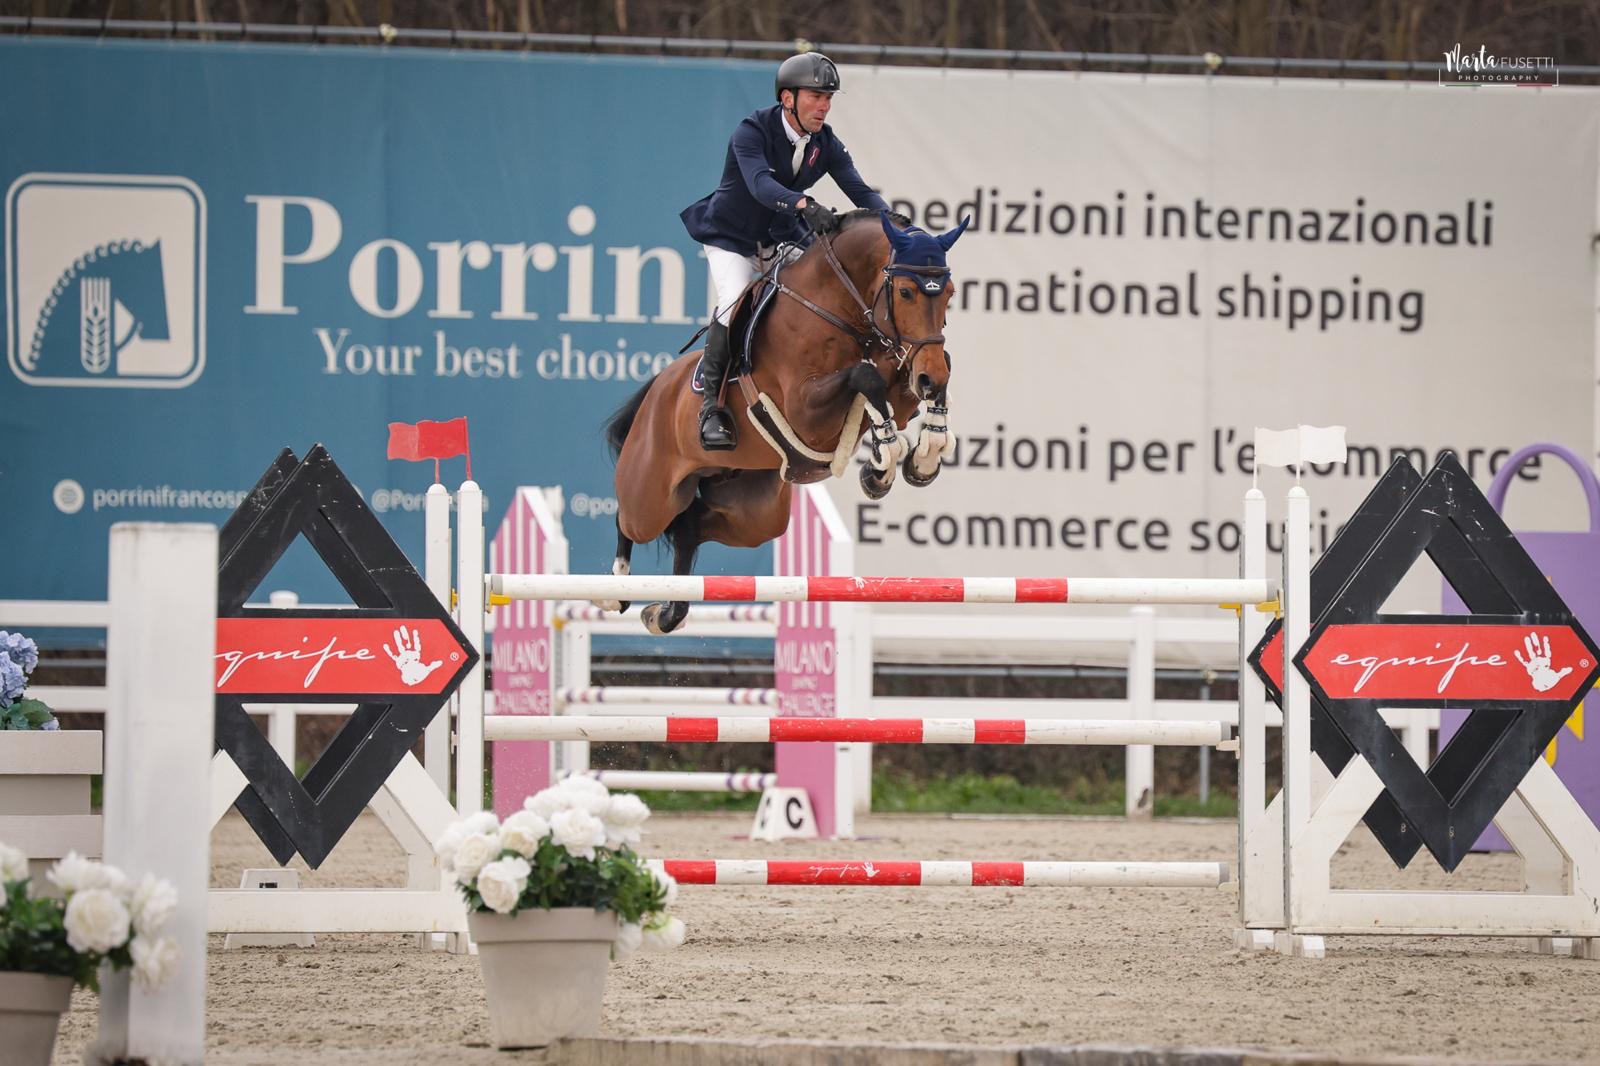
(1112, 732)
(894, 874)
(1112, 590)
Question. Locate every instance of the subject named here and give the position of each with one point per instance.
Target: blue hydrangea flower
(20, 650)
(50, 727)
(12, 681)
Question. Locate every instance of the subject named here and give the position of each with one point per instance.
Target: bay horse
(853, 342)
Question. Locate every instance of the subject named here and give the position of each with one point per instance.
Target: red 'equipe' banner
(335, 657)
(1462, 664)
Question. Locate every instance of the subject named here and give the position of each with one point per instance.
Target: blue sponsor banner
(215, 251)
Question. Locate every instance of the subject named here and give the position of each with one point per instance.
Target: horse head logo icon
(105, 280)
(119, 294)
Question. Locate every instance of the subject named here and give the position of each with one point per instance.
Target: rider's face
(813, 107)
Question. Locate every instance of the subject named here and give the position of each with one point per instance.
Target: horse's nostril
(924, 384)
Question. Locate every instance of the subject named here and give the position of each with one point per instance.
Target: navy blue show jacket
(754, 204)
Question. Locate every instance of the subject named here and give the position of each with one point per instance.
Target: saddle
(748, 310)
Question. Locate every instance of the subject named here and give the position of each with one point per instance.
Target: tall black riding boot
(716, 427)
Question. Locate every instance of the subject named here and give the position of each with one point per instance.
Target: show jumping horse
(853, 343)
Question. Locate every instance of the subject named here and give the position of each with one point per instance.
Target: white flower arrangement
(104, 917)
(570, 846)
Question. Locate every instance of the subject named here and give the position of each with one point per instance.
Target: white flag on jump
(1303, 444)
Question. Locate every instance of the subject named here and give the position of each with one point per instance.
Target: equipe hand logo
(1538, 664)
(409, 657)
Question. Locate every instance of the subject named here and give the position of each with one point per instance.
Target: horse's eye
(905, 293)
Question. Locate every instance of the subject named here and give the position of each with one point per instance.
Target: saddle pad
(742, 330)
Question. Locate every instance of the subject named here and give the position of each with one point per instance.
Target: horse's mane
(848, 217)
(849, 220)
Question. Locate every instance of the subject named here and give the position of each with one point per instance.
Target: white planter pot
(44, 794)
(544, 971)
(31, 1006)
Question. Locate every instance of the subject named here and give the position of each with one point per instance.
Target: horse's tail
(621, 420)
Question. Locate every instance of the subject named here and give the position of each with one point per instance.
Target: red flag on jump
(430, 440)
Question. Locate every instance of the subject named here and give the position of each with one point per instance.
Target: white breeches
(730, 273)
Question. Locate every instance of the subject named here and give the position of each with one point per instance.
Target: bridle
(931, 279)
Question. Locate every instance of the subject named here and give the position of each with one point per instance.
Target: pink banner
(806, 660)
(523, 652)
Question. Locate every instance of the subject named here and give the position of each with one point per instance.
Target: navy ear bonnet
(919, 255)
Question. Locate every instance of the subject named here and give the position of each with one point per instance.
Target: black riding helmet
(808, 70)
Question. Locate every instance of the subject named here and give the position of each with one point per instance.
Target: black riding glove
(822, 220)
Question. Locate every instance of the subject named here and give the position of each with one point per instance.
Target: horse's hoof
(662, 618)
(876, 488)
(909, 472)
(610, 606)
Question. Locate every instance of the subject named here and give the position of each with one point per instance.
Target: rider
(773, 157)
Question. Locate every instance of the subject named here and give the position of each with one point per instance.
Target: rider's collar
(789, 131)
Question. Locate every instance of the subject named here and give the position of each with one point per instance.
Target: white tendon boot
(619, 567)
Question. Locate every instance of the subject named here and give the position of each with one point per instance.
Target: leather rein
(903, 349)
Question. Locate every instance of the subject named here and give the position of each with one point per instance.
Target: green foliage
(614, 880)
(26, 714)
(701, 801)
(1217, 805)
(33, 939)
(971, 793)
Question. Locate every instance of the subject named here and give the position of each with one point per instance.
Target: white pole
(666, 696)
(1260, 893)
(469, 587)
(160, 669)
(728, 614)
(436, 567)
(575, 753)
(1414, 733)
(1296, 693)
(849, 760)
(856, 651)
(281, 716)
(683, 780)
(561, 634)
(1140, 760)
